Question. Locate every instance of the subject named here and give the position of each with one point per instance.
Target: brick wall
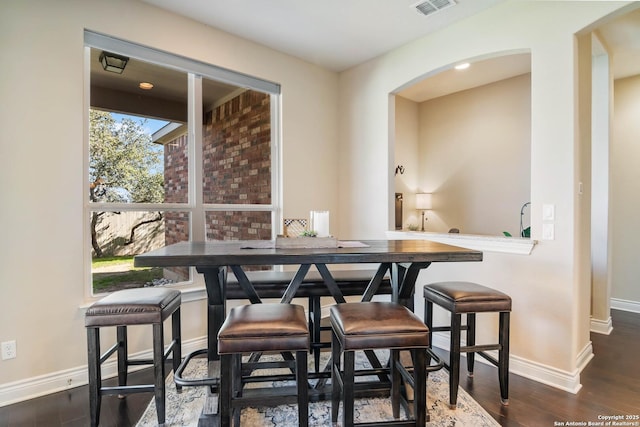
(237, 151)
(237, 169)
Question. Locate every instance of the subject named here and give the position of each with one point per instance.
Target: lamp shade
(423, 201)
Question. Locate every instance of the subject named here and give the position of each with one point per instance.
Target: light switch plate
(548, 231)
(548, 212)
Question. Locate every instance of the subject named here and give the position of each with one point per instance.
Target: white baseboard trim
(30, 388)
(603, 327)
(625, 305)
(564, 380)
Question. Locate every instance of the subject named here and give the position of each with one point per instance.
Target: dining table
(400, 261)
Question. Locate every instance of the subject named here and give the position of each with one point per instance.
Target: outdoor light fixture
(423, 203)
(113, 62)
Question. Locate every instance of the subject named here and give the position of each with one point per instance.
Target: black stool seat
(465, 297)
(258, 328)
(133, 307)
(144, 306)
(371, 326)
(470, 298)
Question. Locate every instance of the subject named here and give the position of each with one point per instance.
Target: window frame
(197, 209)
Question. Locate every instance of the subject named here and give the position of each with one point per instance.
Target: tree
(124, 166)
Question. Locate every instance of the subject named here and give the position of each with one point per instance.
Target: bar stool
(144, 306)
(262, 328)
(470, 298)
(371, 326)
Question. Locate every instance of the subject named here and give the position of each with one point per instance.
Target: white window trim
(195, 71)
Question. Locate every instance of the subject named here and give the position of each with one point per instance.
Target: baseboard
(601, 326)
(564, 380)
(625, 305)
(30, 388)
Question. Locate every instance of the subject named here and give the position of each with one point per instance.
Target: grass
(128, 276)
(111, 260)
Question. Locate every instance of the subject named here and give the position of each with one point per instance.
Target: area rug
(184, 409)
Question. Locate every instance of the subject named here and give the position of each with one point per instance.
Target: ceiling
(338, 34)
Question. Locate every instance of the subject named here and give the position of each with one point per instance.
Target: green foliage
(124, 164)
(309, 233)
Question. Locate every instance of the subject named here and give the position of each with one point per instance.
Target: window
(177, 150)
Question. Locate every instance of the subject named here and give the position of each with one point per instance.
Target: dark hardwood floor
(610, 386)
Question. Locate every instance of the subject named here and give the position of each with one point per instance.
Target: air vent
(428, 7)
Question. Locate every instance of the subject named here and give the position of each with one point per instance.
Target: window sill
(510, 245)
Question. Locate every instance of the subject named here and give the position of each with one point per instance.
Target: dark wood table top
(214, 254)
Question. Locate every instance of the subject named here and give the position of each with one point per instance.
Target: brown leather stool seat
(371, 326)
(258, 328)
(144, 306)
(470, 298)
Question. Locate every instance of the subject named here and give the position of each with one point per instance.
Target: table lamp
(423, 203)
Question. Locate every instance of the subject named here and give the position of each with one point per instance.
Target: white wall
(475, 157)
(549, 329)
(625, 197)
(407, 123)
(42, 115)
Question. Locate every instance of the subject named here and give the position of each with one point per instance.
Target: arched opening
(464, 136)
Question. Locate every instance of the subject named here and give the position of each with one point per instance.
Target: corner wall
(549, 331)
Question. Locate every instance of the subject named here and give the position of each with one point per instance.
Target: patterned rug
(184, 409)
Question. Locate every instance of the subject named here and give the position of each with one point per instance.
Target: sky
(151, 125)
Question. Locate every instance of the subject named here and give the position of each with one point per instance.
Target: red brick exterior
(237, 170)
(237, 151)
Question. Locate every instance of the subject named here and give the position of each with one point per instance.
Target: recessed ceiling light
(462, 66)
(146, 86)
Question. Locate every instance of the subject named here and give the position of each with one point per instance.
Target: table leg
(215, 281)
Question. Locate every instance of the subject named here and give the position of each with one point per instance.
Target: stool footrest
(194, 382)
(136, 362)
(479, 348)
(127, 389)
(434, 367)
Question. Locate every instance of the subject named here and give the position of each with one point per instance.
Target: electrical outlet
(8, 350)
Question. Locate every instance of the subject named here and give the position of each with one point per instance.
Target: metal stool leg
(394, 355)
(176, 337)
(428, 320)
(159, 371)
(503, 357)
(471, 341)
(454, 359)
(226, 389)
(303, 388)
(123, 356)
(420, 386)
(336, 379)
(95, 376)
(347, 387)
